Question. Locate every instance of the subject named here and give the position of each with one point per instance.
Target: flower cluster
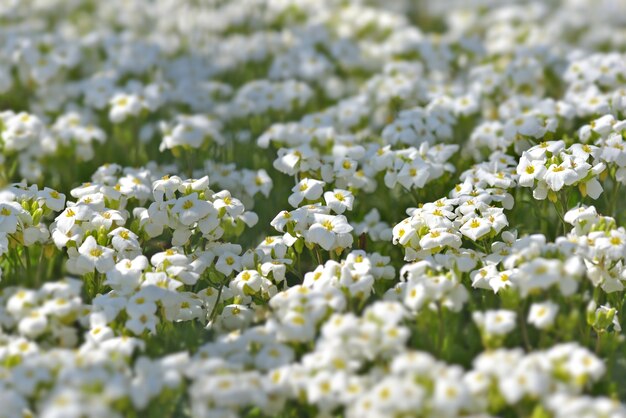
(549, 167)
(312, 208)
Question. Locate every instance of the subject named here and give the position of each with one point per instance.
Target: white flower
(475, 228)
(227, 262)
(612, 244)
(339, 200)
(62, 238)
(72, 214)
(500, 281)
(52, 199)
(141, 303)
(190, 209)
(414, 174)
(122, 106)
(326, 230)
(404, 232)
(160, 283)
(99, 331)
(141, 323)
(592, 188)
(306, 188)
(235, 317)
(481, 278)
(126, 275)
(192, 131)
(33, 325)
(539, 273)
(273, 356)
(95, 256)
(451, 395)
(524, 379)
(529, 170)
(542, 315)
(8, 218)
(107, 218)
(224, 200)
(20, 131)
(527, 125)
(582, 363)
(247, 280)
(440, 237)
(290, 161)
(344, 167)
(560, 175)
(495, 322)
(323, 387)
(124, 240)
(580, 214)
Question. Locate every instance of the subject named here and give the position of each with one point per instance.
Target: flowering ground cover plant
(312, 208)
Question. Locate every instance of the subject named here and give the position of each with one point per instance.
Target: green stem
(217, 301)
(319, 256)
(613, 209)
(440, 329)
(39, 267)
(28, 265)
(524, 329)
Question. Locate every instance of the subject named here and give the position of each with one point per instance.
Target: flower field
(312, 208)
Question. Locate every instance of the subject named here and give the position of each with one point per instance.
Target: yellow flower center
(96, 252)
(384, 393)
